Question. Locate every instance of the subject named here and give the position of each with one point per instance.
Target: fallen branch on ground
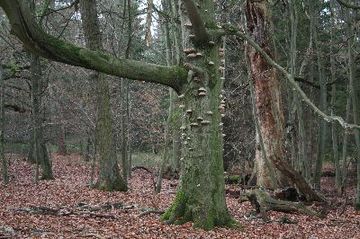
(263, 202)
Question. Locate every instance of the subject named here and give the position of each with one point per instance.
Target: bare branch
(230, 30)
(37, 41)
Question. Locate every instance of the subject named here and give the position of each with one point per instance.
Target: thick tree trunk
(200, 196)
(40, 152)
(109, 176)
(267, 96)
(268, 103)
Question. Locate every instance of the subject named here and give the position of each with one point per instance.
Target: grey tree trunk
(4, 163)
(109, 176)
(344, 154)
(323, 107)
(39, 151)
(334, 130)
(354, 92)
(169, 165)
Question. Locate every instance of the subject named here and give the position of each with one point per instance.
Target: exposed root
(263, 202)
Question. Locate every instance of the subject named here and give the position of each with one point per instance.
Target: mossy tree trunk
(267, 97)
(109, 176)
(39, 151)
(200, 196)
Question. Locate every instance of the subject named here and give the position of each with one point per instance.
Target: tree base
(117, 185)
(47, 177)
(183, 210)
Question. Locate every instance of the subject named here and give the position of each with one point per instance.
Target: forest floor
(68, 208)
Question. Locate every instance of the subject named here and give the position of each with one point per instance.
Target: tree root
(263, 202)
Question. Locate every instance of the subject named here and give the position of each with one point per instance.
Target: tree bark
(200, 196)
(323, 107)
(354, 92)
(4, 163)
(109, 176)
(40, 152)
(267, 96)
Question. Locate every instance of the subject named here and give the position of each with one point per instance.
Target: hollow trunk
(269, 110)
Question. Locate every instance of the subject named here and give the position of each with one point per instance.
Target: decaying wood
(263, 202)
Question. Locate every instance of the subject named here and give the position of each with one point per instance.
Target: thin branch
(230, 30)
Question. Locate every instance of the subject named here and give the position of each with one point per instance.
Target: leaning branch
(37, 41)
(230, 30)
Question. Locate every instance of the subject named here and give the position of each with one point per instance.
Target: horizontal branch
(230, 30)
(37, 41)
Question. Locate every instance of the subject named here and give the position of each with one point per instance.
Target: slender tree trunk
(109, 176)
(169, 165)
(334, 131)
(61, 141)
(40, 152)
(354, 92)
(301, 164)
(323, 107)
(344, 166)
(4, 163)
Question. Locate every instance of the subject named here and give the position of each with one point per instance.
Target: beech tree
(200, 196)
(109, 177)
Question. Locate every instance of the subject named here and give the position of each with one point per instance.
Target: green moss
(177, 209)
